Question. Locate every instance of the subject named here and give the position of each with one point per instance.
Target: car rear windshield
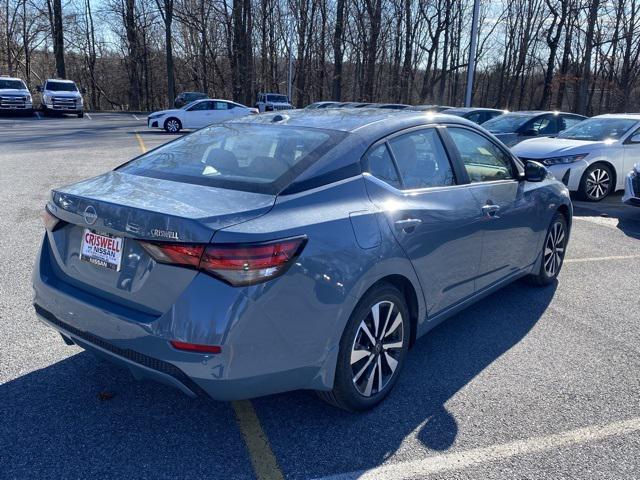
(13, 84)
(598, 129)
(507, 123)
(61, 87)
(239, 156)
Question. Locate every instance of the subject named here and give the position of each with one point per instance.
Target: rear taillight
(49, 219)
(236, 264)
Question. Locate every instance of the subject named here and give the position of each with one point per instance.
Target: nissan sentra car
(299, 250)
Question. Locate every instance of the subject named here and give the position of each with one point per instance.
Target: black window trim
(457, 172)
(515, 162)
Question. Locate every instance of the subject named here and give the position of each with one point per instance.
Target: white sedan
(197, 114)
(592, 157)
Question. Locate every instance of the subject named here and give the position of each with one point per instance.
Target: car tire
(553, 251)
(596, 183)
(81, 114)
(366, 371)
(172, 125)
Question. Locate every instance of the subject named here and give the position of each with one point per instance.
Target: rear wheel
(172, 125)
(372, 350)
(553, 251)
(596, 182)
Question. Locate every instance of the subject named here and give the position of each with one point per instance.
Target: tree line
(577, 55)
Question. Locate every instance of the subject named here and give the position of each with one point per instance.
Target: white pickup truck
(15, 96)
(61, 96)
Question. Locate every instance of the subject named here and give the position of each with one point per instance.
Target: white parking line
(134, 116)
(600, 259)
(88, 116)
(476, 456)
(38, 116)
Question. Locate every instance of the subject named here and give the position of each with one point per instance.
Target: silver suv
(15, 96)
(268, 102)
(61, 96)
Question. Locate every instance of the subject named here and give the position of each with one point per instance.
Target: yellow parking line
(262, 457)
(143, 147)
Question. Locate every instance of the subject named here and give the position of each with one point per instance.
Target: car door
(433, 217)
(509, 240)
(197, 115)
(631, 153)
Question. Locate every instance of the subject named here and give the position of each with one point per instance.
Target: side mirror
(530, 132)
(39, 88)
(535, 172)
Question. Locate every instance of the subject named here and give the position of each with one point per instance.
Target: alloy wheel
(173, 126)
(598, 183)
(377, 348)
(554, 249)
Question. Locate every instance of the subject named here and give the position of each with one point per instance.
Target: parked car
(430, 108)
(187, 97)
(591, 158)
(632, 187)
(268, 102)
(316, 105)
(476, 115)
(15, 96)
(60, 96)
(300, 251)
(197, 114)
(514, 127)
(391, 106)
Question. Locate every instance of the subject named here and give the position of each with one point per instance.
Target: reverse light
(194, 347)
(565, 159)
(49, 219)
(236, 264)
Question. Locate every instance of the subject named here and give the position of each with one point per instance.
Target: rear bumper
(256, 359)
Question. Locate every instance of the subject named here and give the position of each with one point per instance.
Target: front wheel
(372, 350)
(553, 251)
(172, 125)
(81, 114)
(596, 183)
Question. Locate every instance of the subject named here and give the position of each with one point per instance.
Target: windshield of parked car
(277, 99)
(240, 156)
(61, 87)
(508, 123)
(13, 84)
(598, 129)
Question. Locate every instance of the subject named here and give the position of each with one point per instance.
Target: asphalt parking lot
(529, 383)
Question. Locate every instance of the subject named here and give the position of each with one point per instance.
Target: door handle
(407, 225)
(491, 211)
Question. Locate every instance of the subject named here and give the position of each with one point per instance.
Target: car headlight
(46, 98)
(28, 99)
(80, 100)
(563, 160)
(633, 173)
(153, 116)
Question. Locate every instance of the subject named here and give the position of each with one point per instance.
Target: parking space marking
(600, 259)
(134, 116)
(264, 462)
(88, 116)
(457, 461)
(38, 115)
(143, 147)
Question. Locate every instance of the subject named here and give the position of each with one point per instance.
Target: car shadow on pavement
(84, 417)
(329, 441)
(54, 424)
(628, 217)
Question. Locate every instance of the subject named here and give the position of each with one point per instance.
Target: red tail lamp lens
(49, 219)
(194, 347)
(237, 264)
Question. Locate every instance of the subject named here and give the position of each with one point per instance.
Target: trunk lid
(132, 208)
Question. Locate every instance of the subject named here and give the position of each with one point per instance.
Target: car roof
(61, 80)
(364, 120)
(7, 77)
(475, 109)
(628, 116)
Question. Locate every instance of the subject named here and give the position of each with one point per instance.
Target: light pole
(472, 53)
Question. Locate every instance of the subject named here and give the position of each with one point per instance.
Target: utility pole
(472, 53)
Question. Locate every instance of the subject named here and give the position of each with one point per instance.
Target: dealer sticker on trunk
(102, 250)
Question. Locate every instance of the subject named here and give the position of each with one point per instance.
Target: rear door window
(422, 159)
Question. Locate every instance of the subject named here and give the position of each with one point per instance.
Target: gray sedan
(299, 250)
